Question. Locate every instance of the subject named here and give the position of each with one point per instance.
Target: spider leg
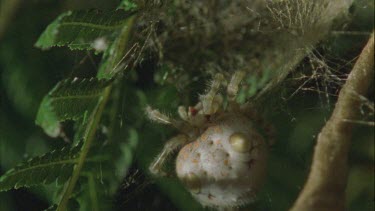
(182, 112)
(217, 103)
(209, 100)
(194, 110)
(156, 167)
(159, 117)
(233, 86)
(192, 116)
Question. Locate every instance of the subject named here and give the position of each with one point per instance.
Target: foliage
(79, 29)
(55, 165)
(70, 99)
(92, 145)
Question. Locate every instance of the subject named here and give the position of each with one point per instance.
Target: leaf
(85, 29)
(119, 54)
(47, 119)
(55, 165)
(70, 99)
(128, 5)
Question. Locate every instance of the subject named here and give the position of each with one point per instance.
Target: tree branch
(326, 183)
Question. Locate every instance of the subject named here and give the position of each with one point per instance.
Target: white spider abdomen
(226, 165)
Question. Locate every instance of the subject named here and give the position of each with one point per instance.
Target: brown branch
(326, 183)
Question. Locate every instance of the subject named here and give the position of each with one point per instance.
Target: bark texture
(326, 183)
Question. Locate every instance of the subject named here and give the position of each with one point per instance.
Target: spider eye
(192, 182)
(239, 142)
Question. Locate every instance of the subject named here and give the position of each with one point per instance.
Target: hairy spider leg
(171, 146)
(159, 117)
(193, 115)
(182, 112)
(209, 100)
(233, 86)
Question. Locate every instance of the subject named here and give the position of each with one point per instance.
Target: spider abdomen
(225, 166)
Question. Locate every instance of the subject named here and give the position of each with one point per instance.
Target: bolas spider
(222, 157)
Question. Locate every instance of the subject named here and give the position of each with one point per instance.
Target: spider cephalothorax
(222, 161)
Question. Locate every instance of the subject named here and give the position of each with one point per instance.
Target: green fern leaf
(52, 166)
(70, 99)
(80, 30)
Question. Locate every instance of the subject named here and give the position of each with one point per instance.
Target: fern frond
(52, 166)
(79, 30)
(69, 100)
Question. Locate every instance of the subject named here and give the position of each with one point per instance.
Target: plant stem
(326, 183)
(96, 116)
(88, 139)
(93, 192)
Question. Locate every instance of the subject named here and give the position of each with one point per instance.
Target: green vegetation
(75, 82)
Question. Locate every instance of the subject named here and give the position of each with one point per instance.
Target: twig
(326, 183)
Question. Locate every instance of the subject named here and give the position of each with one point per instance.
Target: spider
(222, 157)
